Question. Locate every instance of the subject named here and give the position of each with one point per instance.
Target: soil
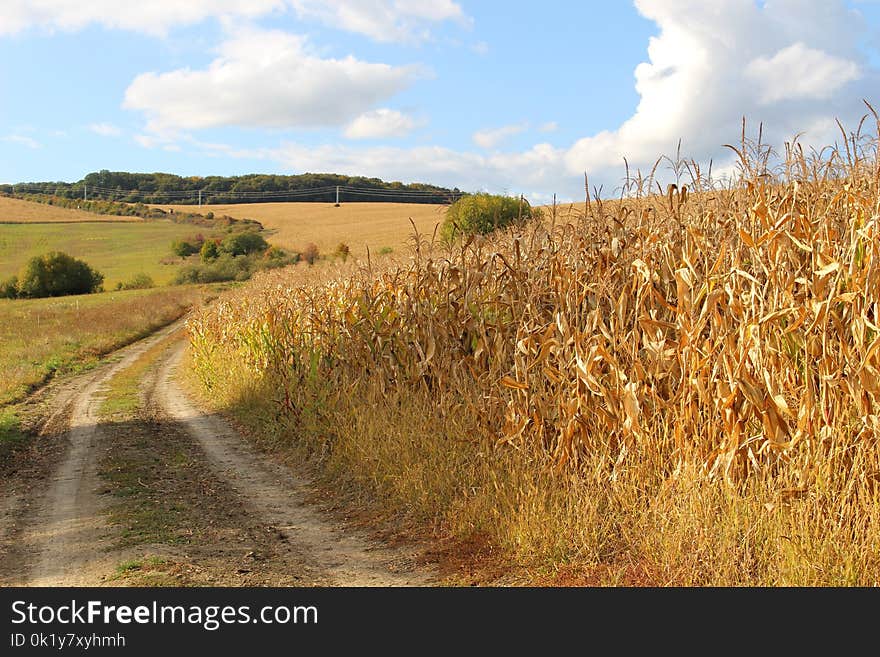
(170, 495)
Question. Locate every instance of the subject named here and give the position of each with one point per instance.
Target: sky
(508, 97)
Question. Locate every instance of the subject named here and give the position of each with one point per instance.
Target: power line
(207, 195)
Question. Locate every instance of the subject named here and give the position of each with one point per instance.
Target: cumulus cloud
(383, 20)
(799, 72)
(105, 129)
(791, 64)
(490, 138)
(380, 123)
(153, 17)
(269, 79)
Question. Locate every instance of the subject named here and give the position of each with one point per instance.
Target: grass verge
(11, 435)
(40, 338)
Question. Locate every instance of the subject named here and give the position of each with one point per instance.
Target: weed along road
(129, 482)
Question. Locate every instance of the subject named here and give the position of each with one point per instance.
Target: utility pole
(85, 192)
(200, 198)
(337, 195)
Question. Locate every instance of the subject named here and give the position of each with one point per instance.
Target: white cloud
(792, 64)
(380, 123)
(550, 126)
(152, 17)
(149, 141)
(105, 129)
(799, 72)
(265, 78)
(527, 172)
(22, 140)
(382, 20)
(480, 47)
(490, 138)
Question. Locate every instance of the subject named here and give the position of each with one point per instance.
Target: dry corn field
(663, 390)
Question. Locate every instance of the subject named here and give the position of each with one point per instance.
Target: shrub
(310, 253)
(137, 282)
(343, 251)
(243, 243)
(275, 257)
(184, 248)
(210, 251)
(483, 213)
(225, 268)
(9, 288)
(57, 274)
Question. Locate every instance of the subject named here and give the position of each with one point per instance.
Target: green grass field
(117, 250)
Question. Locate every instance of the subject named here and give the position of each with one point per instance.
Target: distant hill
(16, 211)
(166, 188)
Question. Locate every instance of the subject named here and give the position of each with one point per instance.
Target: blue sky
(515, 97)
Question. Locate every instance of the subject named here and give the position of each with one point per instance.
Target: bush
(210, 251)
(343, 251)
(137, 282)
(310, 253)
(243, 243)
(9, 288)
(483, 213)
(57, 274)
(225, 268)
(275, 257)
(184, 248)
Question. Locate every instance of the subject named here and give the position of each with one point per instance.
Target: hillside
(13, 210)
(360, 225)
(117, 250)
(251, 188)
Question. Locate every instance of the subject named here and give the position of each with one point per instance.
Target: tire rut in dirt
(278, 495)
(59, 533)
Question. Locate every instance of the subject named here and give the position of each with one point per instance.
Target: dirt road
(171, 489)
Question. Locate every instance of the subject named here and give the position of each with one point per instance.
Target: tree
(209, 251)
(57, 274)
(483, 213)
(243, 243)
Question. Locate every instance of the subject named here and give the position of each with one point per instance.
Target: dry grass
(360, 225)
(672, 390)
(13, 210)
(42, 337)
